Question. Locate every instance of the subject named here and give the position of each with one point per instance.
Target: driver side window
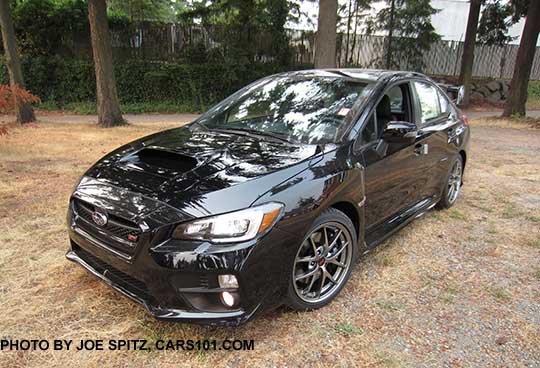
(394, 105)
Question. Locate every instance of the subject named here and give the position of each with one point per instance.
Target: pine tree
(410, 32)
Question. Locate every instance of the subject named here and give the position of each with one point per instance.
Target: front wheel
(453, 184)
(323, 262)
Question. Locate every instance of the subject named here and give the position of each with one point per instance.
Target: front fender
(334, 181)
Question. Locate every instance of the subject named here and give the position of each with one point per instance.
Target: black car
(270, 196)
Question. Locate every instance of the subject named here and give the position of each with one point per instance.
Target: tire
(453, 183)
(322, 263)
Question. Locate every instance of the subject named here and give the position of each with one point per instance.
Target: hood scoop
(160, 161)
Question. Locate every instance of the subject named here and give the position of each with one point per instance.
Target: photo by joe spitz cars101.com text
(270, 197)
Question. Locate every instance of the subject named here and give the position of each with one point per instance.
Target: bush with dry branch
(11, 96)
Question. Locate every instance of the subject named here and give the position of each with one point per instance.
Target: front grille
(203, 282)
(118, 233)
(118, 277)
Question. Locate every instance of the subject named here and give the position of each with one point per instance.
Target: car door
(437, 121)
(391, 170)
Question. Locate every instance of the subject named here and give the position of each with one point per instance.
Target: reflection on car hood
(180, 163)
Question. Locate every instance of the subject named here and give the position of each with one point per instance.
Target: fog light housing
(228, 282)
(229, 299)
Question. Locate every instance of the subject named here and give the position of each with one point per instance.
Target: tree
(245, 31)
(325, 39)
(349, 17)
(279, 11)
(109, 113)
(153, 10)
(410, 32)
(496, 20)
(25, 113)
(467, 60)
(391, 18)
(517, 93)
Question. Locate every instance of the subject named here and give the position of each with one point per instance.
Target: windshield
(303, 109)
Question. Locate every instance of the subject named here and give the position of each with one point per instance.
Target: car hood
(178, 165)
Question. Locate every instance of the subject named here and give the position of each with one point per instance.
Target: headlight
(231, 227)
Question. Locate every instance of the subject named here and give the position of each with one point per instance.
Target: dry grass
(513, 123)
(455, 288)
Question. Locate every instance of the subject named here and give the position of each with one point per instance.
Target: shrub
(50, 27)
(534, 90)
(10, 96)
(60, 82)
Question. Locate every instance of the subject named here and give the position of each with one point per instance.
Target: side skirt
(384, 230)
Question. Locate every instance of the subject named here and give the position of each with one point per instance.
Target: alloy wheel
(454, 182)
(322, 262)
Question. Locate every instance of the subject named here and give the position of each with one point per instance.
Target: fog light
(228, 299)
(228, 282)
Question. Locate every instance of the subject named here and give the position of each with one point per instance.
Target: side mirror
(460, 95)
(400, 132)
(456, 93)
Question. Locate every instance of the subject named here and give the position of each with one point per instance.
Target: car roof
(368, 75)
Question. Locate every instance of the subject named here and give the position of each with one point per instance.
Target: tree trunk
(390, 35)
(25, 113)
(467, 60)
(353, 47)
(517, 93)
(348, 32)
(325, 40)
(109, 113)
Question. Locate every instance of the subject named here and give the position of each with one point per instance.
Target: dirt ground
(456, 288)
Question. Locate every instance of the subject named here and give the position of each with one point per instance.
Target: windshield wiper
(281, 137)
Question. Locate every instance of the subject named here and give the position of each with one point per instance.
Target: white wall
(451, 20)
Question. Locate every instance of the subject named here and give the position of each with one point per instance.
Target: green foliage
(413, 33)
(197, 54)
(348, 329)
(43, 27)
(534, 90)
(30, 18)
(494, 23)
(246, 30)
(232, 31)
(170, 86)
(533, 95)
(497, 18)
(82, 108)
(140, 10)
(90, 107)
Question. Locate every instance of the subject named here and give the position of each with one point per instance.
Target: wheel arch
(351, 212)
(463, 157)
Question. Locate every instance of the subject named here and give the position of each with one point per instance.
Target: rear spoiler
(455, 93)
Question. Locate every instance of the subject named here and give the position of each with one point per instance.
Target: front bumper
(213, 318)
(177, 280)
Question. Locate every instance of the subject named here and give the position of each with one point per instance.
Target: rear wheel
(323, 262)
(453, 184)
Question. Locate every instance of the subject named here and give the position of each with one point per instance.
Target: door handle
(421, 149)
